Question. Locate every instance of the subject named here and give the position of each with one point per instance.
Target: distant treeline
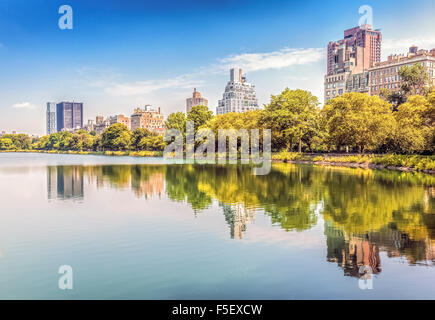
(354, 122)
(400, 122)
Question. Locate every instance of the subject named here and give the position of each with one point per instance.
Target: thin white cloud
(145, 87)
(23, 105)
(280, 59)
(249, 62)
(397, 46)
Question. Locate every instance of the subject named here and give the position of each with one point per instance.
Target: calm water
(145, 229)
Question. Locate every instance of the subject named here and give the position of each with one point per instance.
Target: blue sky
(124, 54)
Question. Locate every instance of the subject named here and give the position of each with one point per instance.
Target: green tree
(6, 144)
(137, 135)
(176, 120)
(396, 98)
(59, 141)
(415, 80)
(116, 137)
(245, 120)
(20, 141)
(232, 120)
(41, 143)
(153, 142)
(415, 125)
(357, 120)
(292, 117)
(199, 115)
(81, 140)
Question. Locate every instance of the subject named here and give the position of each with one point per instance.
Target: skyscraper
(69, 115)
(51, 117)
(349, 59)
(196, 100)
(239, 95)
(359, 50)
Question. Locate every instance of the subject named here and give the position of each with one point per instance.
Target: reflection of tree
(375, 210)
(182, 185)
(289, 199)
(367, 201)
(117, 175)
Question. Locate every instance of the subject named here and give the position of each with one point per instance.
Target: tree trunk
(300, 146)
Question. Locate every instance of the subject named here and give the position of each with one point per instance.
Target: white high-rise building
(51, 117)
(239, 95)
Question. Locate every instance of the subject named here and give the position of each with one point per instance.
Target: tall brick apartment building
(354, 54)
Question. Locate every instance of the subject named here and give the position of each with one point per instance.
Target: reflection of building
(65, 182)
(398, 244)
(196, 100)
(239, 95)
(237, 216)
(149, 186)
(148, 118)
(51, 117)
(143, 180)
(350, 253)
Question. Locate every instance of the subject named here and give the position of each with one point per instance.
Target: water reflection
(365, 212)
(237, 217)
(65, 182)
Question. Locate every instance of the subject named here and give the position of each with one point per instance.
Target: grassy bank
(98, 153)
(389, 161)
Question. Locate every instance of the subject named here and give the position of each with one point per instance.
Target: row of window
(335, 79)
(334, 92)
(334, 85)
(387, 79)
(386, 86)
(396, 69)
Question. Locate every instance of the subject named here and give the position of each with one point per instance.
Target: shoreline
(364, 165)
(154, 154)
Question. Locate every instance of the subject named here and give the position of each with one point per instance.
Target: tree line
(116, 137)
(401, 122)
(355, 122)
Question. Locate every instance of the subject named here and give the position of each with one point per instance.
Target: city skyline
(134, 68)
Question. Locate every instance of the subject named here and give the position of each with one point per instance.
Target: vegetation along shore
(418, 163)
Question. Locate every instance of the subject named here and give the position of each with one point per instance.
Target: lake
(146, 228)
